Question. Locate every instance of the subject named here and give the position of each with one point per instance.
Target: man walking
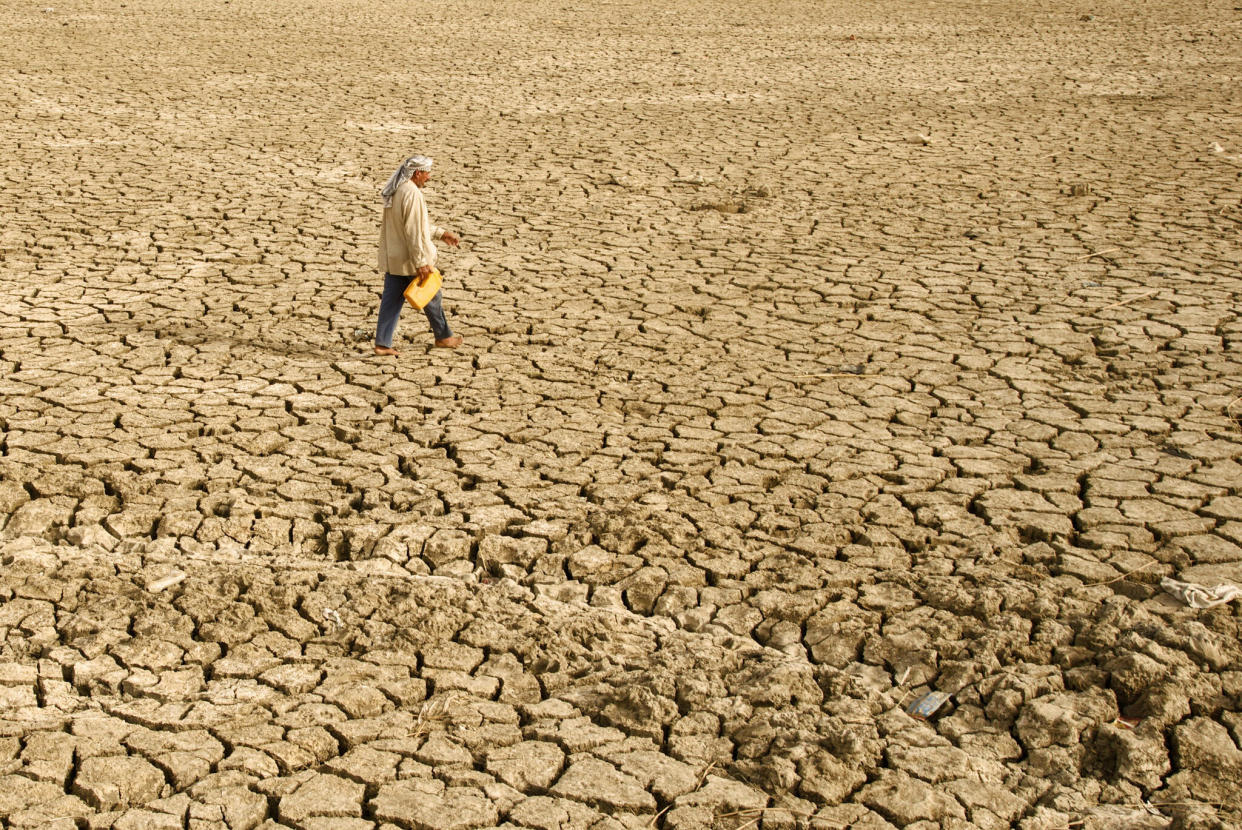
(407, 250)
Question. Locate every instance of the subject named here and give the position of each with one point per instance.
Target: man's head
(412, 168)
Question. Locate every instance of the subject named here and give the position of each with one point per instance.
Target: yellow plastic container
(420, 292)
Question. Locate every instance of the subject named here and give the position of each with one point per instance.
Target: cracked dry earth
(818, 355)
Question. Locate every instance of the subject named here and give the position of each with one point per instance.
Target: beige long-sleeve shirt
(406, 233)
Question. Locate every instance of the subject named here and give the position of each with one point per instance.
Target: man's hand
(422, 273)
(451, 238)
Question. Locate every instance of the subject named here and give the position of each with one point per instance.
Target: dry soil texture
(818, 355)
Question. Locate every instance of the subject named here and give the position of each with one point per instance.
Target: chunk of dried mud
(726, 206)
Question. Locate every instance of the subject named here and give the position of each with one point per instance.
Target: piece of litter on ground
(1097, 253)
(1216, 148)
(165, 582)
(1126, 723)
(927, 705)
(1200, 596)
(331, 616)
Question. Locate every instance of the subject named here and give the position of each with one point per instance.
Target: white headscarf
(407, 169)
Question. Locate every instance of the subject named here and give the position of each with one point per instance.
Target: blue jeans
(390, 310)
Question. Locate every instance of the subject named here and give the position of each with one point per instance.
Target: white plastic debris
(1200, 596)
(165, 582)
(331, 616)
(1216, 148)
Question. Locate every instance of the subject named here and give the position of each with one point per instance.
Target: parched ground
(819, 355)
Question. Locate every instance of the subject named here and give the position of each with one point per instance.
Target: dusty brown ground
(816, 357)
